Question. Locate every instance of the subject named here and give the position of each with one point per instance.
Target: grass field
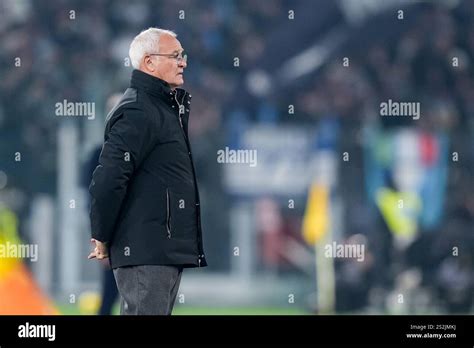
(186, 310)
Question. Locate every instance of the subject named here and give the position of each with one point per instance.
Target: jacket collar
(149, 83)
(158, 87)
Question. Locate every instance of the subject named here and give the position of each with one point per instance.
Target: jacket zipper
(168, 214)
(189, 150)
(180, 107)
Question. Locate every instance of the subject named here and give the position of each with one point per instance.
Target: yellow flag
(400, 211)
(316, 217)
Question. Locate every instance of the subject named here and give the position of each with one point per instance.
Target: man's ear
(148, 63)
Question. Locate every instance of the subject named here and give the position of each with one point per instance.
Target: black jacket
(145, 199)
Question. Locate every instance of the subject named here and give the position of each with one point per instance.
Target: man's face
(168, 68)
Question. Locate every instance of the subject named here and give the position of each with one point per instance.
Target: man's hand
(100, 251)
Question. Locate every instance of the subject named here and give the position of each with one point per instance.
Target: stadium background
(299, 81)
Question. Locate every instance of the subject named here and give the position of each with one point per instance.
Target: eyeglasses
(180, 57)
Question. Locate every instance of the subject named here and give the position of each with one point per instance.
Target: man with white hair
(145, 213)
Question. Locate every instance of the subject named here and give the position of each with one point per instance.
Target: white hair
(146, 42)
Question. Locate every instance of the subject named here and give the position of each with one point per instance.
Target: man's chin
(177, 83)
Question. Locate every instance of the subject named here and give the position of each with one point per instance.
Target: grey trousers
(148, 289)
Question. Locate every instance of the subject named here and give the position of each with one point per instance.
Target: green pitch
(186, 310)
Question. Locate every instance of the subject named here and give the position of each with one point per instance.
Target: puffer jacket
(144, 194)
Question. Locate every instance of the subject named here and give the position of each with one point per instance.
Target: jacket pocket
(168, 213)
(181, 222)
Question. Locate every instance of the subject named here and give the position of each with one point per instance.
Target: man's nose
(182, 64)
